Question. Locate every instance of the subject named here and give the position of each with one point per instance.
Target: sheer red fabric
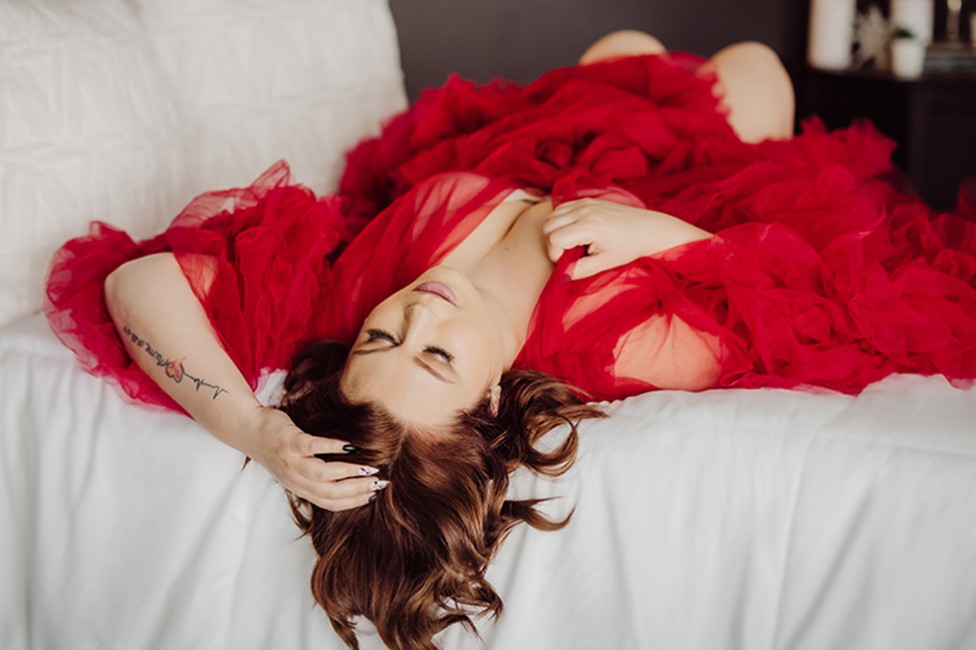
(625, 119)
(268, 244)
(822, 272)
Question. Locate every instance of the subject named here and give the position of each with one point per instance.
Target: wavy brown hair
(414, 561)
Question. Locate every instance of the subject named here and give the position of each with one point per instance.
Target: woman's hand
(272, 439)
(143, 296)
(614, 234)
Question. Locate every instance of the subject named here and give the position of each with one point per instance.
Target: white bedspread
(726, 519)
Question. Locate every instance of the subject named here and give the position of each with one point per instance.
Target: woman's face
(428, 351)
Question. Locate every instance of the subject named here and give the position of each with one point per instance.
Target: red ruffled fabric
(621, 119)
(822, 271)
(268, 244)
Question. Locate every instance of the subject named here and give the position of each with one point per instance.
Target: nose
(420, 315)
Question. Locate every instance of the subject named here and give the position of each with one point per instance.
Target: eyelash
(375, 334)
(380, 334)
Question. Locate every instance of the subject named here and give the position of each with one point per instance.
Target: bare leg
(756, 90)
(627, 42)
(753, 84)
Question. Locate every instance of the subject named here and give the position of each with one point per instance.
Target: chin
(440, 273)
(457, 280)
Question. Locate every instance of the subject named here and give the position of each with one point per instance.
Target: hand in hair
(289, 454)
(614, 234)
(415, 562)
(142, 297)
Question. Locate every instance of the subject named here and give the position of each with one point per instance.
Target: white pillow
(124, 110)
(87, 131)
(259, 80)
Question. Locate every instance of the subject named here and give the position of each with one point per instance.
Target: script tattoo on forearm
(173, 367)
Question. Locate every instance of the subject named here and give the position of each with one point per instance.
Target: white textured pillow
(124, 110)
(87, 131)
(259, 80)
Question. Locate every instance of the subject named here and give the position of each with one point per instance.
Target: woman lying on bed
(636, 223)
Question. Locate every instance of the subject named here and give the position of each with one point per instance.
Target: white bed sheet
(726, 519)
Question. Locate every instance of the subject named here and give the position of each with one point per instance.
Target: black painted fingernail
(372, 498)
(351, 448)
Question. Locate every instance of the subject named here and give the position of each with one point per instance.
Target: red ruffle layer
(822, 271)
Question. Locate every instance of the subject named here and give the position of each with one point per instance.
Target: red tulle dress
(821, 272)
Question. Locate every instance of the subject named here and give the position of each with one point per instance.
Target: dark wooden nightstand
(932, 118)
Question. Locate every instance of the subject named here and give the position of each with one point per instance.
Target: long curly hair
(414, 561)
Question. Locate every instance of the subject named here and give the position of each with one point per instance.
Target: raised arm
(168, 335)
(614, 234)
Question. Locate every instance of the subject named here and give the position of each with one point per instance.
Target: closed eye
(441, 352)
(377, 335)
(383, 335)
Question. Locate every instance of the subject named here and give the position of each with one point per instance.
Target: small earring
(494, 398)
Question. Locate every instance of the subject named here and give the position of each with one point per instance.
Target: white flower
(872, 34)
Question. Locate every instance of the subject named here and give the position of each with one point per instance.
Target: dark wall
(521, 39)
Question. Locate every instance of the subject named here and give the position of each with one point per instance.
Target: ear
(494, 399)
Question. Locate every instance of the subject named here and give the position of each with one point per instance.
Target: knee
(757, 91)
(625, 42)
(751, 53)
(764, 63)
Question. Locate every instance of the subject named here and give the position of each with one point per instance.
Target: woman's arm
(663, 351)
(614, 234)
(168, 335)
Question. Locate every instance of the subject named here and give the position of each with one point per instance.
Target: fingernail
(350, 448)
(372, 498)
(368, 471)
(378, 485)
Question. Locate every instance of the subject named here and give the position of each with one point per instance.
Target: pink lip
(438, 289)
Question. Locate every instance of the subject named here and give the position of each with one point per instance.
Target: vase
(907, 57)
